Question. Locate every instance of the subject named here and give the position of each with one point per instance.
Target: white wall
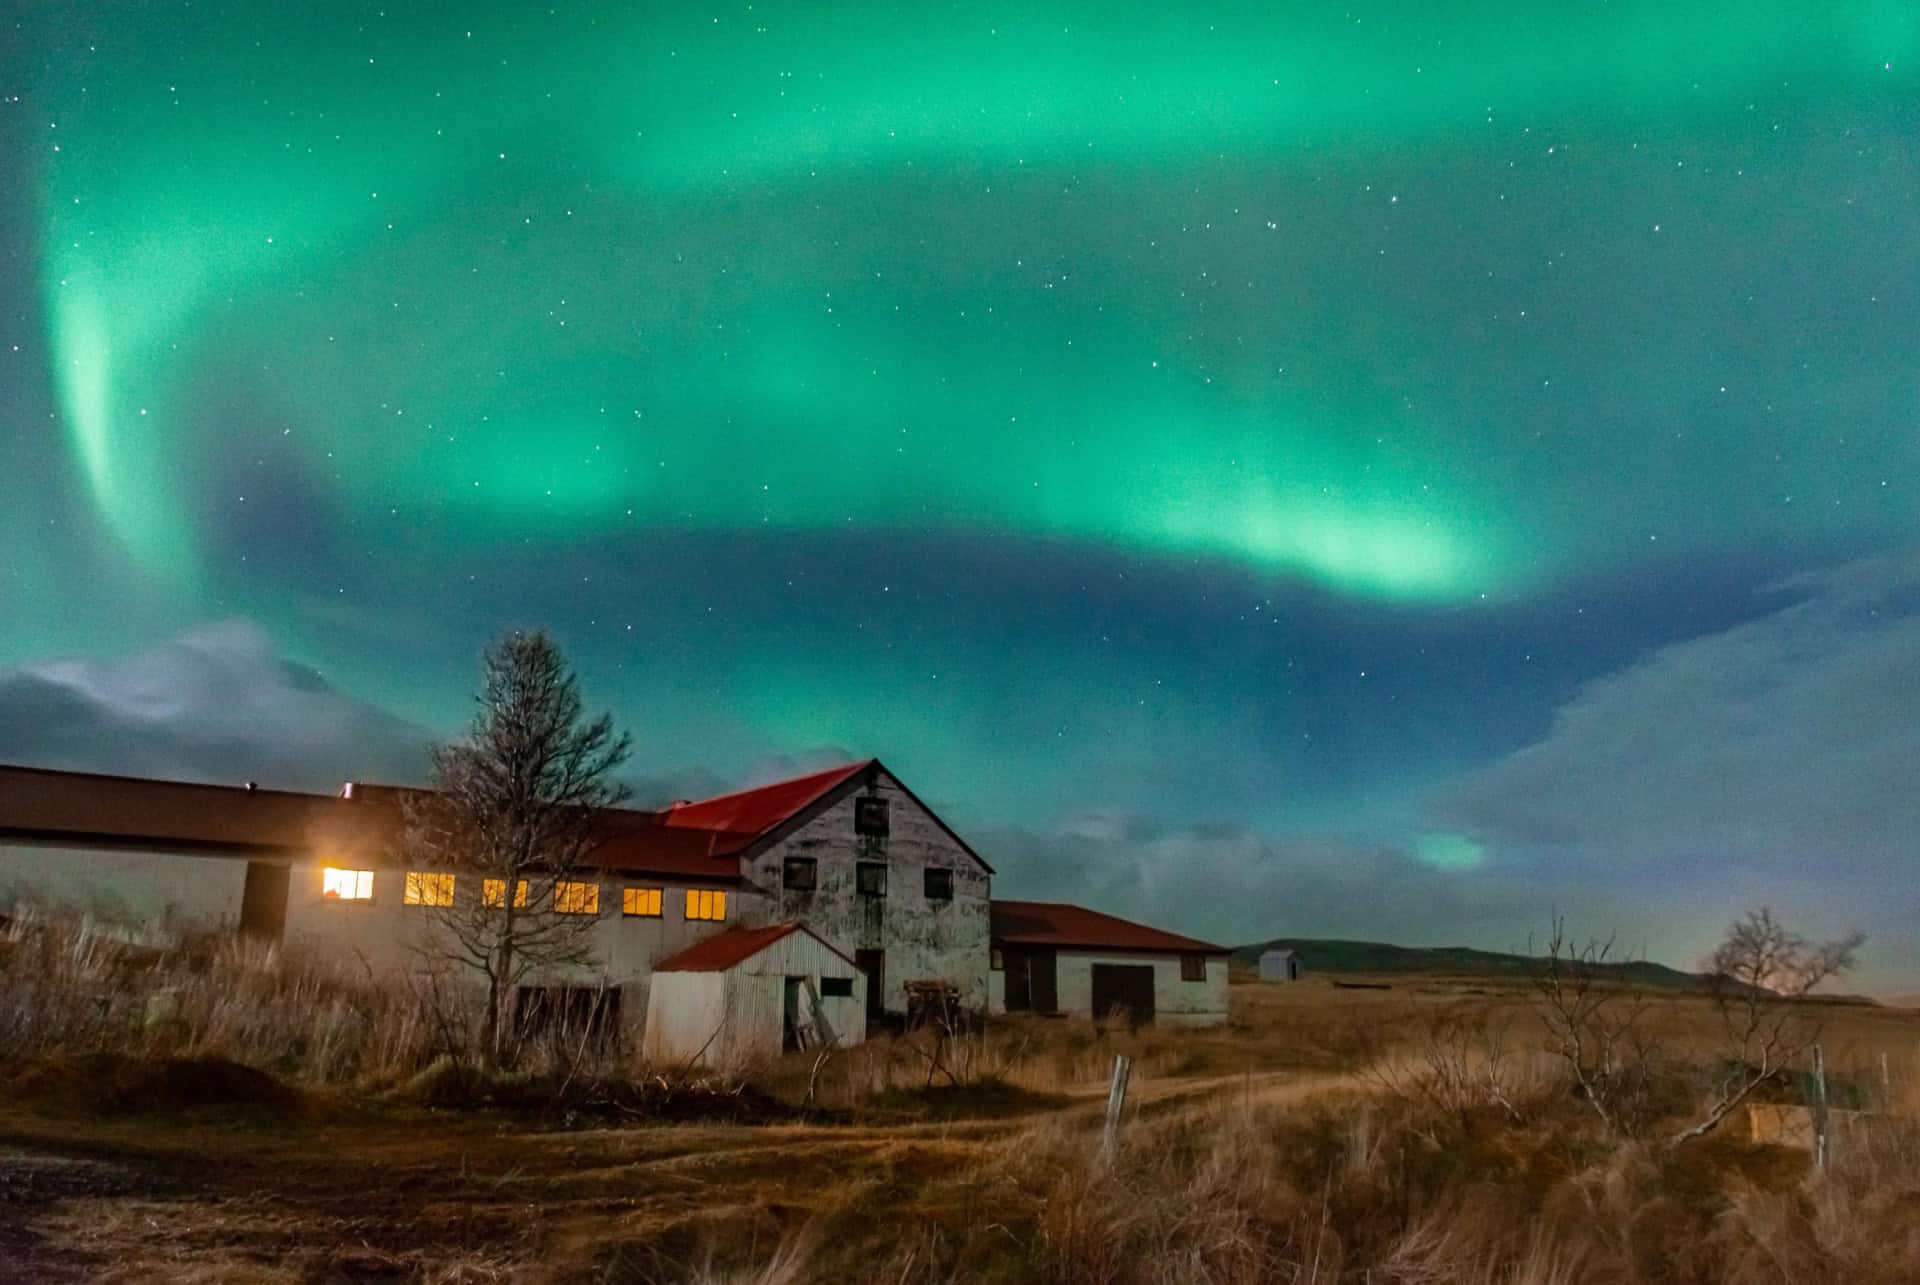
(1175, 1002)
(127, 886)
(923, 939)
(685, 1014)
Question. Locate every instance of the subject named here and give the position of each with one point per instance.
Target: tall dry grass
(71, 987)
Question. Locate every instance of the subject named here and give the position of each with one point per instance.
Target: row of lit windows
(424, 888)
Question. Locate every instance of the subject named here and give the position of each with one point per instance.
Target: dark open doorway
(874, 964)
(263, 901)
(1123, 992)
(1032, 979)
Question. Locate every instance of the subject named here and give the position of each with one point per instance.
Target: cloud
(1771, 760)
(216, 704)
(1785, 740)
(1235, 885)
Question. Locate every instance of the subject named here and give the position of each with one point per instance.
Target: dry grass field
(286, 1122)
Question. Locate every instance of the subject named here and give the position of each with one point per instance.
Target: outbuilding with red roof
(1053, 957)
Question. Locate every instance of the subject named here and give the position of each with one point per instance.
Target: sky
(1388, 470)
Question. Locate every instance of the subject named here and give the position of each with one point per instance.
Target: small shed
(1280, 965)
(749, 994)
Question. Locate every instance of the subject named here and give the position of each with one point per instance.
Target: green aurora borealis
(1247, 414)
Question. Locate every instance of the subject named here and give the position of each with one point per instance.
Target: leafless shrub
(1761, 971)
(1593, 1027)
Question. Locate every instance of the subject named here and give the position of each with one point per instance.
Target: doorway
(263, 901)
(874, 964)
(1031, 979)
(1123, 991)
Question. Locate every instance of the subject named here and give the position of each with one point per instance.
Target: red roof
(724, 950)
(701, 840)
(751, 813)
(1055, 923)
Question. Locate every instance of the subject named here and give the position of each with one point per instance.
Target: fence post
(1819, 1108)
(1116, 1103)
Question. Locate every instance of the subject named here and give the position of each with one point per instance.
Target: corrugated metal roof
(1056, 923)
(754, 812)
(735, 946)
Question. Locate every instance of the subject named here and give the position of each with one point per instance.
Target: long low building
(1051, 957)
(889, 892)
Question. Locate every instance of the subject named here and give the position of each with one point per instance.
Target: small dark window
(1193, 968)
(939, 884)
(836, 988)
(873, 878)
(870, 817)
(999, 964)
(802, 873)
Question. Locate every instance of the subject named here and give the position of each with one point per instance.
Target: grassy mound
(123, 1084)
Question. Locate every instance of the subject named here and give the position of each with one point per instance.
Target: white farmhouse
(809, 904)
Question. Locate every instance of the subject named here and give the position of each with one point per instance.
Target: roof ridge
(166, 781)
(844, 769)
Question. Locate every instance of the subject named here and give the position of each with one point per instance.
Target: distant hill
(1320, 955)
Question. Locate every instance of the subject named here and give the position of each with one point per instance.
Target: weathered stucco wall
(923, 939)
(171, 891)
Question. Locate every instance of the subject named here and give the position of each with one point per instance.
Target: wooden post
(1819, 1107)
(1116, 1103)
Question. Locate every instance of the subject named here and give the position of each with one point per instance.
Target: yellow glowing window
(425, 889)
(576, 898)
(640, 901)
(346, 885)
(493, 892)
(705, 903)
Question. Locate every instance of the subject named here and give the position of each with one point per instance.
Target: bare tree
(515, 808)
(1762, 972)
(1594, 1026)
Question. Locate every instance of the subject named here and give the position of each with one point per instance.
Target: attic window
(346, 885)
(427, 889)
(1193, 968)
(836, 988)
(870, 817)
(939, 884)
(872, 876)
(802, 873)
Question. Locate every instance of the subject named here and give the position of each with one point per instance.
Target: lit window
(346, 885)
(576, 898)
(425, 889)
(706, 903)
(872, 877)
(1193, 968)
(644, 902)
(493, 892)
(802, 873)
(939, 884)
